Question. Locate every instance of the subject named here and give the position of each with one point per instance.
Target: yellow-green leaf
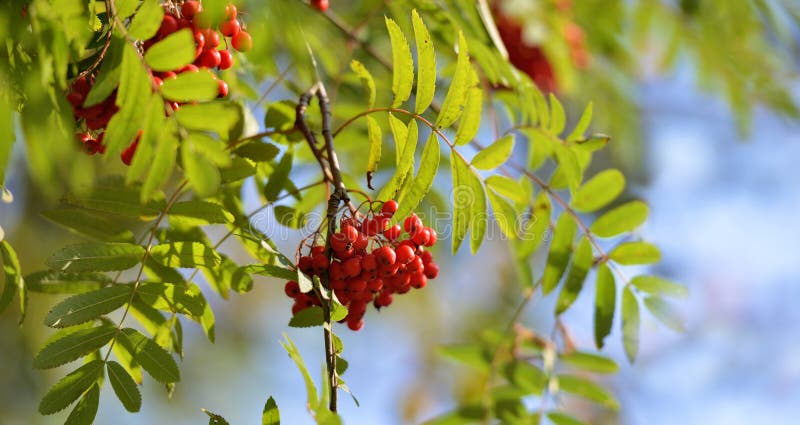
(402, 64)
(147, 20)
(581, 263)
(366, 81)
(560, 252)
(629, 253)
(557, 117)
(459, 85)
(173, 52)
(495, 154)
(508, 187)
(426, 64)
(429, 165)
(470, 120)
(599, 191)
(582, 125)
(375, 143)
(604, 304)
(630, 323)
(665, 313)
(191, 86)
(655, 285)
(621, 219)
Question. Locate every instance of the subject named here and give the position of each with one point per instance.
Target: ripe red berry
(319, 263)
(209, 59)
(127, 154)
(384, 299)
(431, 270)
(421, 236)
(318, 249)
(230, 28)
(426, 257)
(190, 8)
(230, 11)
(199, 42)
(389, 207)
(223, 88)
(349, 233)
(432, 237)
(189, 68)
(385, 255)
(305, 265)
(321, 5)
(292, 289)
(212, 39)
(356, 285)
(355, 325)
(411, 224)
(352, 266)
(404, 254)
(415, 265)
(157, 81)
(369, 263)
(361, 242)
(418, 280)
(168, 25)
(242, 41)
(393, 232)
(225, 59)
(375, 285)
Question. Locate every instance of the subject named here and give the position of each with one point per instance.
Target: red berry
(375, 285)
(389, 207)
(355, 325)
(418, 280)
(426, 257)
(356, 285)
(199, 42)
(384, 299)
(189, 68)
(230, 11)
(431, 270)
(393, 232)
(421, 236)
(411, 224)
(385, 255)
(225, 59)
(167, 74)
(349, 233)
(212, 39)
(230, 28)
(321, 5)
(168, 25)
(190, 8)
(223, 88)
(361, 242)
(404, 254)
(242, 41)
(318, 249)
(75, 98)
(432, 237)
(292, 289)
(415, 265)
(127, 154)
(157, 81)
(352, 266)
(209, 59)
(369, 263)
(305, 265)
(320, 263)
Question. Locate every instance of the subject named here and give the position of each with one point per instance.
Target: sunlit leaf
(655, 285)
(54, 282)
(270, 415)
(402, 64)
(557, 117)
(495, 154)
(73, 346)
(604, 304)
(576, 276)
(173, 52)
(665, 313)
(423, 181)
(507, 187)
(599, 191)
(366, 81)
(504, 215)
(630, 323)
(391, 188)
(88, 306)
(621, 219)
(471, 355)
(459, 86)
(559, 418)
(85, 411)
(311, 389)
(308, 317)
(426, 64)
(560, 252)
(147, 20)
(582, 125)
(375, 143)
(587, 389)
(629, 253)
(191, 86)
(589, 362)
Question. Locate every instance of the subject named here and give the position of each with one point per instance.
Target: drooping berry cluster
(209, 54)
(369, 261)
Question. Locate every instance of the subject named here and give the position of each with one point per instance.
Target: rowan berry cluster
(368, 261)
(209, 54)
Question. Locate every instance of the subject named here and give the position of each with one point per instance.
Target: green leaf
(599, 191)
(557, 117)
(53, 282)
(504, 215)
(73, 346)
(272, 270)
(495, 154)
(96, 256)
(665, 313)
(590, 362)
(257, 151)
(107, 78)
(215, 419)
(85, 411)
(84, 222)
(306, 285)
(13, 278)
(629, 253)
(604, 304)
(375, 143)
(591, 144)
(311, 389)
(526, 377)
(508, 187)
(147, 20)
(133, 96)
(426, 64)
(366, 81)
(568, 165)
(191, 86)
(124, 387)
(400, 134)
(271, 415)
(423, 181)
(72, 386)
(560, 251)
(112, 196)
(581, 263)
(185, 254)
(187, 300)
(280, 115)
(630, 323)
(308, 317)
(470, 355)
(470, 120)
(588, 390)
(173, 52)
(219, 117)
(201, 173)
(559, 418)
(478, 212)
(621, 219)
(163, 162)
(459, 85)
(198, 213)
(89, 306)
(239, 169)
(534, 231)
(463, 198)
(391, 188)
(402, 64)
(153, 359)
(277, 181)
(655, 285)
(582, 125)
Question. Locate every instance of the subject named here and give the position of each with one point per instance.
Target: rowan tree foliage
(404, 126)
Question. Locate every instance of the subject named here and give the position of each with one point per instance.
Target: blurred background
(717, 168)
